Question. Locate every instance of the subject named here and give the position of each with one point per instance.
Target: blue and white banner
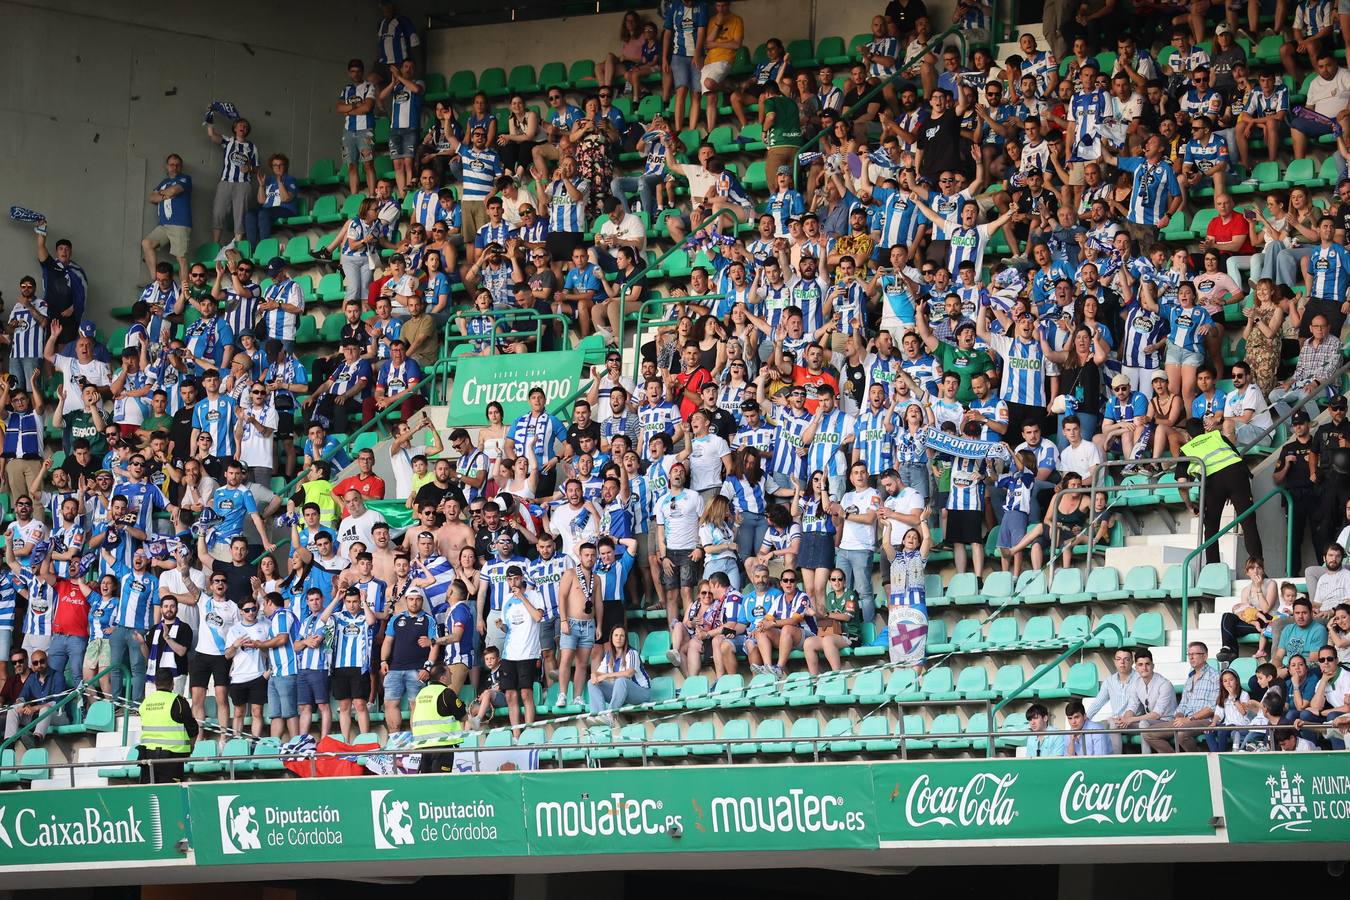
(24, 214)
(964, 447)
(907, 627)
(224, 107)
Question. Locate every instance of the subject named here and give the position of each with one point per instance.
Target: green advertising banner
(1286, 797)
(699, 809)
(356, 818)
(63, 827)
(979, 800)
(508, 379)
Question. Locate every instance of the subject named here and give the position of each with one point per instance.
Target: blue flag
(24, 214)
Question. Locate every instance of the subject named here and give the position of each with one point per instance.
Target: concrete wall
(98, 93)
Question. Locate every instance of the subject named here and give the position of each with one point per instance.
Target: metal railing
(641, 323)
(73, 695)
(657, 263)
(1213, 538)
(650, 751)
(935, 43)
(451, 338)
(1098, 488)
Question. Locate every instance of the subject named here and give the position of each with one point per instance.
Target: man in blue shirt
(1084, 737)
(682, 40)
(42, 682)
(1155, 196)
(173, 216)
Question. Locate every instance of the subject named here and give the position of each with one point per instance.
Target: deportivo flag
(224, 107)
(907, 626)
(24, 214)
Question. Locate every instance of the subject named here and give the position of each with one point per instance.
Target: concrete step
(114, 738)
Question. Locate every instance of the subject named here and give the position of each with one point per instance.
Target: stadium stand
(920, 390)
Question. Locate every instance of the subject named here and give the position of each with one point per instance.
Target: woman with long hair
(1262, 335)
(1215, 290)
(618, 678)
(911, 454)
(1229, 709)
(1080, 377)
(630, 50)
(717, 537)
(908, 574)
(702, 621)
(466, 570)
(745, 489)
(1189, 325)
(492, 436)
(816, 510)
(592, 137)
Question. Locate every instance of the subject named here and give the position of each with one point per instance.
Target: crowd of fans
(940, 322)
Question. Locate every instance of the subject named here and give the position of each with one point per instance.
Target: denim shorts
(400, 683)
(682, 72)
(357, 146)
(685, 571)
(582, 635)
(548, 635)
(402, 143)
(1176, 356)
(312, 689)
(281, 696)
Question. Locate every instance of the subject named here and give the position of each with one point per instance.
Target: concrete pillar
(1103, 882)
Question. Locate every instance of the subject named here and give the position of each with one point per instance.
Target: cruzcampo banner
(675, 809)
(1286, 797)
(64, 827)
(508, 379)
(356, 818)
(1037, 799)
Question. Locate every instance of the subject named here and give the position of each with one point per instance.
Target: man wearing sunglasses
(216, 615)
(40, 685)
(557, 126)
(15, 677)
(1332, 698)
(248, 666)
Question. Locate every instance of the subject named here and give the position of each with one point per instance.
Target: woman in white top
(358, 238)
(196, 485)
(1230, 709)
(619, 678)
(516, 147)
(492, 436)
(717, 537)
(519, 476)
(709, 457)
(858, 538)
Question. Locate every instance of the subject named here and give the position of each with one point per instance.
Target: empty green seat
(266, 249)
(1214, 580)
(694, 688)
(1141, 582)
(937, 684)
(967, 636)
(1050, 685)
(938, 642)
(903, 685)
(1148, 630)
(267, 755)
(1103, 583)
(877, 735)
(998, 587)
(738, 730)
(1267, 175)
(728, 687)
(1032, 583)
(964, 588)
(1074, 628)
(703, 731)
(552, 74)
(326, 210)
(197, 765)
(868, 687)
(633, 736)
(463, 84)
(761, 685)
(946, 732)
(840, 730)
(1082, 680)
(667, 737)
(1039, 634)
(654, 648)
(1014, 722)
(756, 178)
(1008, 678)
(1170, 587)
(973, 683)
(663, 689)
(1107, 638)
(298, 251)
(805, 732)
(832, 689)
(830, 51)
(322, 173)
(582, 73)
(934, 592)
(34, 764)
(522, 80)
(1002, 634)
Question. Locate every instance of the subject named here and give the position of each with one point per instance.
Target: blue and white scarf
(24, 214)
(966, 448)
(224, 107)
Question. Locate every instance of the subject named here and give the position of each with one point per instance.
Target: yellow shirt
(730, 28)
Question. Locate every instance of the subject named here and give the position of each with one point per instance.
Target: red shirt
(1237, 226)
(692, 382)
(72, 610)
(802, 377)
(370, 487)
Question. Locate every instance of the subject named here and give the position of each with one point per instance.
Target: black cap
(747, 405)
(515, 572)
(1299, 418)
(1337, 403)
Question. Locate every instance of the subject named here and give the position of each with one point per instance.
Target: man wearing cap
(785, 202)
(1296, 472)
(492, 588)
(407, 655)
(518, 619)
(617, 229)
(338, 399)
(283, 304)
(482, 165)
(1123, 418)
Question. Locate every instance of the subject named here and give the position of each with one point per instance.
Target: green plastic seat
(1014, 722)
(1032, 589)
(937, 684)
(326, 210)
(877, 735)
(266, 249)
(868, 687)
(1170, 586)
(721, 139)
(493, 82)
(1301, 171)
(761, 685)
(739, 730)
(663, 689)
(1176, 229)
(1147, 630)
(1200, 224)
(205, 255)
(903, 685)
(1268, 178)
(1002, 635)
(755, 179)
(967, 636)
(34, 764)
(938, 642)
(997, 588)
(654, 648)
(331, 329)
(300, 218)
(832, 689)
(1039, 634)
(522, 80)
(1214, 580)
(552, 74)
(634, 735)
(752, 138)
(582, 74)
(802, 55)
(1074, 628)
(196, 765)
(307, 330)
(973, 683)
(112, 773)
(100, 717)
(1008, 678)
(1103, 583)
(267, 755)
(830, 51)
(964, 588)
(322, 173)
(1082, 680)
(840, 730)
(778, 699)
(704, 731)
(1107, 638)
(298, 251)
(946, 732)
(352, 205)
(1050, 686)
(728, 687)
(770, 734)
(805, 732)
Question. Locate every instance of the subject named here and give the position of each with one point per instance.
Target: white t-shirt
(522, 631)
(629, 229)
(216, 618)
(1332, 588)
(571, 534)
(678, 514)
(1238, 402)
(1336, 691)
(1081, 459)
(705, 461)
(256, 449)
(701, 181)
(857, 536)
(249, 662)
(94, 372)
(194, 584)
(906, 502)
(1328, 96)
(358, 528)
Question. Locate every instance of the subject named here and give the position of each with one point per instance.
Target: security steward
(167, 731)
(437, 723)
(1227, 479)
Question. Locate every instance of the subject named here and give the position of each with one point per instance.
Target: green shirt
(81, 425)
(846, 603)
(787, 123)
(157, 423)
(964, 364)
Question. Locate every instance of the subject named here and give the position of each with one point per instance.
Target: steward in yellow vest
(1227, 479)
(167, 731)
(437, 722)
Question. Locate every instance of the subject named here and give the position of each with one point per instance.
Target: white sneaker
(777, 671)
(673, 658)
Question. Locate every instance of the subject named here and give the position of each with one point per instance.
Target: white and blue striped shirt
(358, 93)
(217, 418)
(564, 214)
(827, 444)
(238, 160)
(494, 573)
(279, 324)
(318, 658)
(1025, 371)
(787, 441)
(426, 209)
(282, 658)
(744, 496)
(27, 335)
(352, 647)
(1154, 187)
(967, 490)
(139, 597)
(546, 575)
(405, 110)
(241, 310)
(876, 445)
(37, 621)
(481, 168)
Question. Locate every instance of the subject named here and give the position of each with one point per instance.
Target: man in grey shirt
(1196, 708)
(1152, 700)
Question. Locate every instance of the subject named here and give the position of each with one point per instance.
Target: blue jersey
(815, 517)
(1019, 486)
(684, 23)
(826, 450)
(427, 209)
(397, 38)
(585, 278)
(783, 205)
(279, 324)
(759, 437)
(137, 601)
(494, 573)
(175, 210)
(1330, 271)
(318, 658)
(493, 234)
(614, 576)
(481, 168)
(439, 568)
(207, 339)
(1203, 406)
(564, 213)
(745, 496)
(876, 444)
(545, 575)
(948, 207)
(656, 418)
(405, 108)
(1207, 156)
(900, 219)
(1041, 66)
(143, 499)
(37, 620)
(1155, 185)
(217, 418)
(351, 650)
(1025, 371)
(460, 652)
(357, 93)
(1133, 407)
(1185, 324)
(883, 46)
(281, 660)
(789, 428)
(1142, 329)
(546, 430)
(1260, 104)
(238, 160)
